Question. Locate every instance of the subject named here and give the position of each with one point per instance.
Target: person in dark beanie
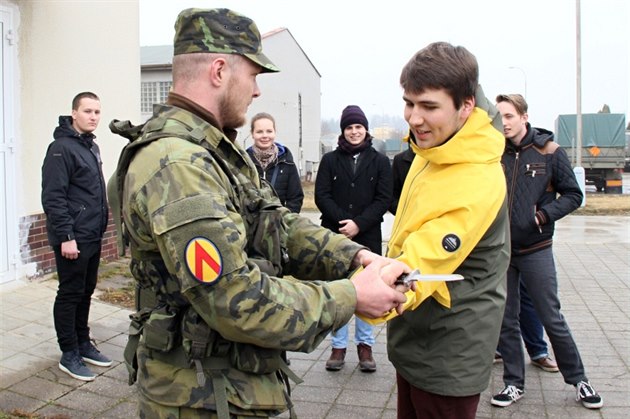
(353, 191)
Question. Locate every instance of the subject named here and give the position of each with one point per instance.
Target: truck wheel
(600, 185)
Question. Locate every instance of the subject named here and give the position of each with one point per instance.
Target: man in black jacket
(542, 188)
(75, 203)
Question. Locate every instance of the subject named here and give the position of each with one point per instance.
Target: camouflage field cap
(220, 31)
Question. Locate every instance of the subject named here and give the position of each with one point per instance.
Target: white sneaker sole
(73, 375)
(592, 405)
(501, 403)
(97, 363)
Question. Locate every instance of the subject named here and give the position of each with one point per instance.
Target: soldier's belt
(177, 357)
(216, 365)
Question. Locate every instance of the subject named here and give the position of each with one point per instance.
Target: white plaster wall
(66, 47)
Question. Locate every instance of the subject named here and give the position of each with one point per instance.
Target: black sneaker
(509, 395)
(90, 354)
(588, 396)
(72, 364)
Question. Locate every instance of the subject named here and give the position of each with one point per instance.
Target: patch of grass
(114, 270)
(122, 297)
(309, 196)
(605, 204)
(596, 203)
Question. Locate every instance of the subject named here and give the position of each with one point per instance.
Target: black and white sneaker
(509, 395)
(588, 396)
(90, 354)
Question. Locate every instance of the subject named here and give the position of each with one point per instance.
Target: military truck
(603, 147)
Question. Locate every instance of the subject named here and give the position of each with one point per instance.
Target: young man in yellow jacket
(452, 218)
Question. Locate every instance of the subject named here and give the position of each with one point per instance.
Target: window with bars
(153, 92)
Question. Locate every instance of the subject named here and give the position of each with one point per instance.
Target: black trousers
(77, 281)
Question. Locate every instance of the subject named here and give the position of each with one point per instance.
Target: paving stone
(41, 389)
(10, 400)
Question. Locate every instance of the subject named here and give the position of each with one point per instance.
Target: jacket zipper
(514, 175)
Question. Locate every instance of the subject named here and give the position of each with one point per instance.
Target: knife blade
(415, 275)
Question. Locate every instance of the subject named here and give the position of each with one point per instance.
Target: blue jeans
(362, 334)
(531, 327)
(538, 273)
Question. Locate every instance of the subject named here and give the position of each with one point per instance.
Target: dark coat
(73, 187)
(540, 184)
(286, 181)
(363, 196)
(400, 168)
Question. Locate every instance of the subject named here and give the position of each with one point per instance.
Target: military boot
(336, 360)
(366, 362)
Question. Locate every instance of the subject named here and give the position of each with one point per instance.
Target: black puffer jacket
(286, 181)
(73, 187)
(541, 184)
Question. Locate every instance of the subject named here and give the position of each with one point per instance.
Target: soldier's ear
(218, 71)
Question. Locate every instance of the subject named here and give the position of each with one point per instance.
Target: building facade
(292, 96)
(52, 50)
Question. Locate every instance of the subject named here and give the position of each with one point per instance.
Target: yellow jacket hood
(451, 196)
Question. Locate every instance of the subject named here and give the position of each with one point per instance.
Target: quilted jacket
(541, 185)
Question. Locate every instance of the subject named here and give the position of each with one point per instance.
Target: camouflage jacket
(187, 206)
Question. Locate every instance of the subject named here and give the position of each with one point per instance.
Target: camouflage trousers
(148, 409)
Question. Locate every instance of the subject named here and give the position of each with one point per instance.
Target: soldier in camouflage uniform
(211, 242)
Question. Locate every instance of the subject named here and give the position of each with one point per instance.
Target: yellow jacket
(451, 196)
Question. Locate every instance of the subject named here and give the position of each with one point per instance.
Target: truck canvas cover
(598, 129)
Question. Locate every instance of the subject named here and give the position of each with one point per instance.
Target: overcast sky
(359, 47)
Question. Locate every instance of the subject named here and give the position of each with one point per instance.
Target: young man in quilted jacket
(542, 188)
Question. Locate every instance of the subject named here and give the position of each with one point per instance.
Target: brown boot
(366, 362)
(336, 360)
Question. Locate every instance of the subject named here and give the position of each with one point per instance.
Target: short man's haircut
(187, 68)
(441, 65)
(76, 102)
(516, 100)
(262, 115)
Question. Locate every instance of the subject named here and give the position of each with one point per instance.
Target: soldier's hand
(364, 257)
(374, 287)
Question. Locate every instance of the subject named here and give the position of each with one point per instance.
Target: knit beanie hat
(352, 114)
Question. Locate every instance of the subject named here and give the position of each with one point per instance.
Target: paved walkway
(593, 258)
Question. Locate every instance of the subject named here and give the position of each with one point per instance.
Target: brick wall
(34, 246)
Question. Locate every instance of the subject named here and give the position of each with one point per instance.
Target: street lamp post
(524, 79)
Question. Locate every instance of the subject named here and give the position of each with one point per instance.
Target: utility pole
(578, 90)
(524, 78)
(301, 150)
(578, 169)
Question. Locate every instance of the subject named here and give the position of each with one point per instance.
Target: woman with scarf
(275, 162)
(353, 189)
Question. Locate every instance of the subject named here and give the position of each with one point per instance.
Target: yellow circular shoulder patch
(203, 260)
